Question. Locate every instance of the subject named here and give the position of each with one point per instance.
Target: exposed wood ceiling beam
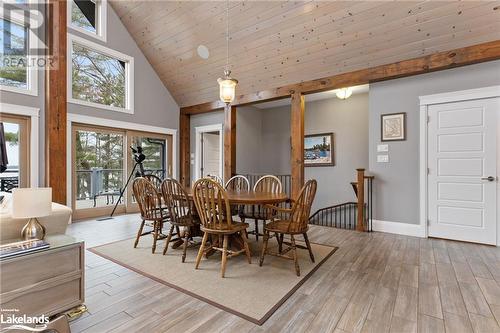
(434, 62)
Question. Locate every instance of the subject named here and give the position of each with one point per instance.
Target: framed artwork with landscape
(393, 127)
(319, 150)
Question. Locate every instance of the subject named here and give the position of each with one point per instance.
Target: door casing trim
(425, 102)
(197, 157)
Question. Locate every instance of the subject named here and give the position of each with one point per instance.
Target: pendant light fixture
(227, 85)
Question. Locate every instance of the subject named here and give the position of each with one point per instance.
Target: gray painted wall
(397, 182)
(153, 104)
(348, 119)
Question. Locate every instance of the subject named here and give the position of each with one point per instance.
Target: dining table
(240, 198)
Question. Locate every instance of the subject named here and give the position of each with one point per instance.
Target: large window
(100, 77)
(88, 17)
(16, 74)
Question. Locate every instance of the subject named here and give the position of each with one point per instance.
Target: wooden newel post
(361, 200)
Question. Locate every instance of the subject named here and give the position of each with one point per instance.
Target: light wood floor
(375, 282)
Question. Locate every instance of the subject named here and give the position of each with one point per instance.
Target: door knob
(490, 178)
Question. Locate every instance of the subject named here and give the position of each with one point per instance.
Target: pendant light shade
(344, 93)
(227, 87)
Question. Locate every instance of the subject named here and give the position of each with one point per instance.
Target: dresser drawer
(48, 299)
(37, 267)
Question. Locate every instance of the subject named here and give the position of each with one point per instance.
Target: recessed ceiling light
(203, 52)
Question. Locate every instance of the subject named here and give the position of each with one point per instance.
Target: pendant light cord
(227, 35)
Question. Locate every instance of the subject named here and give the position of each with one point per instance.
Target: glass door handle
(489, 178)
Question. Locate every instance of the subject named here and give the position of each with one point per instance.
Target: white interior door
(462, 151)
(211, 150)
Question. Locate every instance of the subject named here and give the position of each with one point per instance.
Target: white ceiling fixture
(227, 85)
(203, 51)
(343, 93)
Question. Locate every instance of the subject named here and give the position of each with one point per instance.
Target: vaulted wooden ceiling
(274, 43)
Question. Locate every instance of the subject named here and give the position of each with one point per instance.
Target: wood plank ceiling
(274, 43)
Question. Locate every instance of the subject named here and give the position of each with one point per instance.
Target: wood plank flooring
(375, 282)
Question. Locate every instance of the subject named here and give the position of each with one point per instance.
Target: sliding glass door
(16, 132)
(157, 149)
(98, 170)
(102, 163)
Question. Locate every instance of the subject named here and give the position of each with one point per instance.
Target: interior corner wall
(396, 185)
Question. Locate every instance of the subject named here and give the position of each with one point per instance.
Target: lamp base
(33, 230)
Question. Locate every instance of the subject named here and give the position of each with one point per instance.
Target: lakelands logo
(10, 319)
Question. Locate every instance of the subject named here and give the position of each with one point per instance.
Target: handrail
(330, 207)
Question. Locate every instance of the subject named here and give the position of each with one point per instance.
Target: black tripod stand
(139, 157)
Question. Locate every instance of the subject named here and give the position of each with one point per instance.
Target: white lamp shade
(31, 202)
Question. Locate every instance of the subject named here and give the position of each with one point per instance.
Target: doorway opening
(209, 151)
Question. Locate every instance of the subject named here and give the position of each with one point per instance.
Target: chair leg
(156, 227)
(257, 230)
(139, 233)
(200, 251)
(247, 248)
(186, 240)
(308, 244)
(264, 247)
(280, 243)
(294, 252)
(224, 256)
(168, 240)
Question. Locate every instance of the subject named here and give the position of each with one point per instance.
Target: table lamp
(32, 203)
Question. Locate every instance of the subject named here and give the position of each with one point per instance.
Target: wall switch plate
(192, 155)
(192, 162)
(382, 148)
(382, 158)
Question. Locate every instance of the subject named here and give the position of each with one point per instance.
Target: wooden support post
(184, 149)
(229, 142)
(361, 200)
(56, 101)
(297, 142)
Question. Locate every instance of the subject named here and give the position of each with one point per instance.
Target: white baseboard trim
(399, 228)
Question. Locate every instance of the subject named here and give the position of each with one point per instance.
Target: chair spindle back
(176, 200)
(301, 208)
(268, 184)
(147, 198)
(155, 180)
(212, 204)
(238, 184)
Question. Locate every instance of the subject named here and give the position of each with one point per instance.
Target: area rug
(249, 291)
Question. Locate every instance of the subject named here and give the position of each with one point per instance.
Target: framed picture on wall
(393, 127)
(319, 150)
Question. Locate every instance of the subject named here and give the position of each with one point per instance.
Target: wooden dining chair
(180, 211)
(237, 183)
(296, 223)
(217, 179)
(155, 180)
(149, 202)
(213, 207)
(265, 184)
